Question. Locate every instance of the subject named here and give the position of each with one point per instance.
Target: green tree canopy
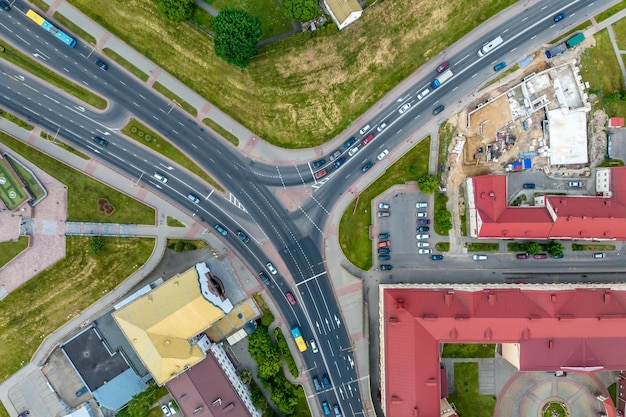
(264, 351)
(237, 35)
(176, 10)
(444, 219)
(555, 248)
(533, 248)
(428, 184)
(301, 10)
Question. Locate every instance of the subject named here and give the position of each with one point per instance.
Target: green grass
(613, 392)
(273, 20)
(74, 28)
(590, 247)
(284, 350)
(172, 222)
(440, 204)
(619, 28)
(124, 63)
(141, 133)
(42, 5)
(466, 398)
(30, 181)
(52, 139)
(9, 250)
(177, 100)
(16, 120)
(35, 68)
(302, 409)
(612, 163)
(502, 75)
(463, 221)
(83, 191)
(482, 247)
(203, 20)
(301, 95)
(354, 227)
(220, 130)
(445, 135)
(468, 350)
(197, 243)
(555, 409)
(610, 11)
(258, 298)
(442, 246)
(40, 306)
(11, 192)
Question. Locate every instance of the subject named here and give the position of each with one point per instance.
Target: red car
(522, 256)
(290, 298)
(442, 67)
(367, 140)
(319, 174)
(541, 256)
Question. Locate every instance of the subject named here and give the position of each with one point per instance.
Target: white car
(404, 108)
(479, 257)
(423, 244)
(365, 129)
(383, 154)
(166, 410)
(421, 204)
(313, 346)
(160, 177)
(271, 268)
(383, 206)
(421, 214)
(425, 251)
(171, 407)
(381, 127)
(422, 236)
(423, 94)
(354, 150)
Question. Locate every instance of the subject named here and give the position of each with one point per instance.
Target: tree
(264, 351)
(176, 10)
(428, 184)
(533, 248)
(301, 10)
(96, 245)
(554, 248)
(237, 35)
(444, 219)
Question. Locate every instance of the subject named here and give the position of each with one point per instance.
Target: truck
(490, 46)
(297, 336)
(575, 40)
(556, 50)
(443, 77)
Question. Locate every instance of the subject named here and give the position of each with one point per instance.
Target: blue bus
(58, 33)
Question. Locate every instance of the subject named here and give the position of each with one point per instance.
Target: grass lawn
(29, 179)
(590, 247)
(302, 95)
(446, 133)
(74, 29)
(197, 243)
(11, 192)
(468, 350)
(612, 163)
(9, 250)
(273, 20)
(83, 191)
(354, 226)
(302, 409)
(482, 247)
(172, 222)
(442, 246)
(51, 138)
(220, 130)
(465, 397)
(619, 28)
(177, 100)
(440, 204)
(613, 392)
(610, 11)
(61, 292)
(124, 63)
(3, 411)
(142, 134)
(16, 120)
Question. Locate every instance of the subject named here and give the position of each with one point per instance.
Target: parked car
(384, 214)
(423, 236)
(337, 410)
(559, 256)
(423, 221)
(270, 267)
(316, 384)
(423, 229)
(320, 174)
(385, 267)
(335, 155)
(170, 405)
(220, 229)
(383, 154)
(541, 256)
(424, 251)
(384, 257)
(384, 244)
(313, 345)
(599, 255)
(367, 166)
(4, 5)
(384, 250)
(193, 198)
(522, 256)
(326, 381)
(265, 278)
(575, 184)
(528, 186)
(24, 414)
(319, 163)
(326, 408)
(421, 204)
(439, 109)
(479, 257)
(499, 66)
(423, 244)
(349, 142)
(100, 141)
(365, 129)
(383, 206)
(421, 214)
(339, 162)
(384, 235)
(367, 139)
(559, 17)
(404, 108)
(244, 237)
(290, 298)
(166, 410)
(436, 257)
(381, 126)
(354, 150)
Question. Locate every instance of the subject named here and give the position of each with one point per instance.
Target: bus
(59, 34)
(490, 46)
(297, 336)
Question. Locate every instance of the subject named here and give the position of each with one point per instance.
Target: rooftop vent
(550, 344)
(491, 298)
(607, 298)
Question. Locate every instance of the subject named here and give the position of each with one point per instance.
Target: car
(339, 161)
(541, 256)
(575, 184)
(384, 244)
(436, 257)
(384, 235)
(265, 278)
(81, 391)
(404, 108)
(384, 257)
(424, 251)
(103, 66)
(244, 237)
(367, 166)
(559, 256)
(441, 68)
(421, 204)
(5, 6)
(367, 140)
(423, 221)
(166, 410)
(559, 17)
(24, 413)
(423, 244)
(365, 129)
(528, 186)
(319, 163)
(381, 126)
(382, 155)
(353, 151)
(423, 94)
(313, 345)
(383, 206)
(320, 174)
(193, 198)
(326, 408)
(270, 267)
(599, 255)
(349, 142)
(100, 141)
(337, 410)
(385, 267)
(499, 66)
(384, 251)
(316, 384)
(479, 257)
(326, 381)
(335, 155)
(421, 214)
(439, 109)
(423, 229)
(160, 177)
(170, 405)
(422, 236)
(290, 298)
(522, 256)
(384, 214)
(220, 229)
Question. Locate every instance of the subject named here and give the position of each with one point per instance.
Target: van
(423, 94)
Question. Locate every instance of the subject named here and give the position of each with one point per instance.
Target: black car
(423, 229)
(326, 381)
(244, 237)
(319, 163)
(265, 278)
(528, 186)
(100, 141)
(423, 221)
(384, 235)
(367, 166)
(339, 161)
(439, 109)
(5, 6)
(436, 257)
(349, 142)
(386, 267)
(102, 64)
(384, 251)
(384, 257)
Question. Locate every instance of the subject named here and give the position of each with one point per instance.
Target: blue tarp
(527, 163)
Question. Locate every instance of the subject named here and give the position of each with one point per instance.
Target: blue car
(559, 17)
(339, 161)
(436, 257)
(349, 142)
(499, 66)
(326, 408)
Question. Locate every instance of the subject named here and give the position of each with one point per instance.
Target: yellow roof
(341, 9)
(159, 325)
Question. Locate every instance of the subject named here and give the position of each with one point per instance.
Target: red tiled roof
(574, 217)
(571, 329)
(616, 122)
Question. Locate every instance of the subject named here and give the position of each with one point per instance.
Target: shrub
(96, 245)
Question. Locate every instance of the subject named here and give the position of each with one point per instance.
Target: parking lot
(543, 184)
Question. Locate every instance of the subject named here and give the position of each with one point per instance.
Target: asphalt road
(298, 235)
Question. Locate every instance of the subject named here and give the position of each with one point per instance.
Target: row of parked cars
(326, 385)
(384, 244)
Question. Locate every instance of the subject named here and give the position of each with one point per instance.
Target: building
(343, 12)
(548, 329)
(599, 217)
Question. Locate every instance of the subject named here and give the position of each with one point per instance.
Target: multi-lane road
(297, 236)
